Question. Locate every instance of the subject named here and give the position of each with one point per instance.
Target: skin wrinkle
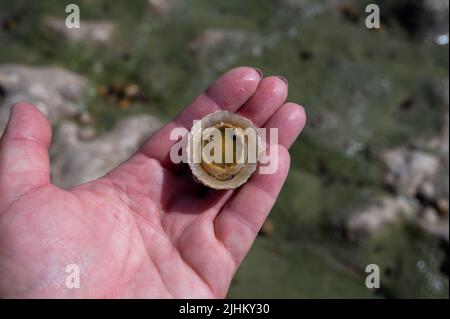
(50, 279)
(26, 140)
(208, 216)
(124, 191)
(127, 254)
(178, 251)
(29, 192)
(242, 220)
(260, 106)
(141, 184)
(127, 258)
(216, 104)
(124, 201)
(148, 254)
(64, 237)
(75, 257)
(222, 244)
(176, 244)
(159, 166)
(211, 290)
(26, 183)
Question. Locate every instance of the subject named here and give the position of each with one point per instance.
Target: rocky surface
(78, 159)
(408, 169)
(384, 211)
(55, 91)
(418, 176)
(78, 154)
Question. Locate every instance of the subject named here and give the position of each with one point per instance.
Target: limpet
(226, 163)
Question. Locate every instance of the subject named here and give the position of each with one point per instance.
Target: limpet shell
(247, 146)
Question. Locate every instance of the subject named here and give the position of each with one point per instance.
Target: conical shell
(219, 176)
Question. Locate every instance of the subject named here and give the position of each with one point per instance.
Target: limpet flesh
(223, 150)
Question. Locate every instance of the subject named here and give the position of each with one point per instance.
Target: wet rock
(385, 211)
(55, 91)
(100, 31)
(76, 160)
(409, 169)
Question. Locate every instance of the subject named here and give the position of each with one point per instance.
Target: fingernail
(259, 72)
(282, 78)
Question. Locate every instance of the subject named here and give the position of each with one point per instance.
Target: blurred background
(369, 178)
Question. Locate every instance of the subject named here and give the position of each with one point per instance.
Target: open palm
(146, 229)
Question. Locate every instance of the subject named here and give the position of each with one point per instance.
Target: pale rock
(76, 161)
(442, 206)
(439, 14)
(385, 211)
(212, 38)
(429, 215)
(408, 169)
(99, 31)
(55, 91)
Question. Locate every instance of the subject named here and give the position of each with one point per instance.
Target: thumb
(24, 159)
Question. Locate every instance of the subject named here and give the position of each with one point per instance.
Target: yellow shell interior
(222, 170)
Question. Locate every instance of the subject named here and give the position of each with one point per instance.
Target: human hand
(146, 229)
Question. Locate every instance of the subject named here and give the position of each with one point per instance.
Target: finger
(228, 93)
(290, 120)
(24, 159)
(242, 216)
(270, 95)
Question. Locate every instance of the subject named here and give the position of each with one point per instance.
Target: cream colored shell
(215, 177)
